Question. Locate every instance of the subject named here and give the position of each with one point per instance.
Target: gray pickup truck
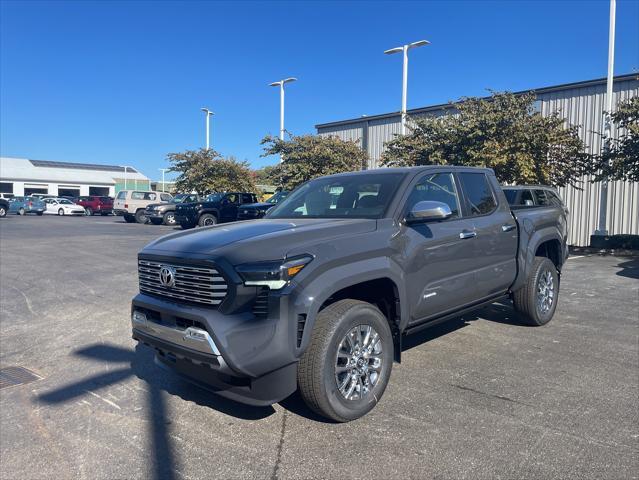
(318, 295)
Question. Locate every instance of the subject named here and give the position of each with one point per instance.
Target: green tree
(503, 132)
(266, 175)
(310, 156)
(206, 171)
(621, 161)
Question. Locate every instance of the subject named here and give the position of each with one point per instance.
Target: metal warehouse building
(581, 104)
(21, 176)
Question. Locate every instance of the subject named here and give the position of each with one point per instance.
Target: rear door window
(527, 198)
(435, 187)
(479, 195)
(122, 195)
(247, 198)
(542, 198)
(166, 197)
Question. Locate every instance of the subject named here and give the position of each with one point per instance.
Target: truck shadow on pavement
(629, 268)
(157, 382)
(142, 366)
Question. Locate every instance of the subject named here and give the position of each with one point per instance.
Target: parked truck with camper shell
(318, 295)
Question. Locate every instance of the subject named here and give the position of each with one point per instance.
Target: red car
(95, 204)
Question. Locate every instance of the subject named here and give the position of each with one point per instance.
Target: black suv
(258, 210)
(217, 208)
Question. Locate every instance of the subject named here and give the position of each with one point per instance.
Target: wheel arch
(375, 282)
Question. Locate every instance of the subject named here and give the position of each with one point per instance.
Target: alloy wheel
(545, 291)
(359, 362)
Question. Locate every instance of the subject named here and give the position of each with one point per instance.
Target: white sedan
(62, 206)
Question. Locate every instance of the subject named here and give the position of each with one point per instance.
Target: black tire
(88, 211)
(155, 221)
(168, 219)
(61, 212)
(528, 299)
(21, 212)
(140, 217)
(129, 218)
(3, 212)
(316, 373)
(207, 220)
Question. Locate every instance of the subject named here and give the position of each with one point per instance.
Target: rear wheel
(536, 301)
(169, 219)
(88, 211)
(140, 217)
(3, 211)
(345, 370)
(207, 220)
(21, 211)
(61, 211)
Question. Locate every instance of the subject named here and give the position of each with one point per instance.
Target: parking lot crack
(500, 397)
(280, 444)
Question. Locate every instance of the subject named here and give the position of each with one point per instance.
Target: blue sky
(123, 82)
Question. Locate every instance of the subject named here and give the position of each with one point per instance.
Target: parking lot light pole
(281, 85)
(209, 114)
(602, 227)
(404, 49)
(163, 170)
(125, 167)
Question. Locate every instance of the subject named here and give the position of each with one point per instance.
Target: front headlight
(273, 275)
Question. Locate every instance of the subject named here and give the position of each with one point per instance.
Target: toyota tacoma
(318, 295)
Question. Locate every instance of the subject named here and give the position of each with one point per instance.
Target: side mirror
(427, 211)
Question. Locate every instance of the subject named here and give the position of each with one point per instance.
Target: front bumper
(242, 357)
(119, 211)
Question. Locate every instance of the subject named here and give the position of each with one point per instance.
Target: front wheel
(88, 211)
(207, 220)
(21, 212)
(536, 301)
(3, 212)
(347, 365)
(61, 212)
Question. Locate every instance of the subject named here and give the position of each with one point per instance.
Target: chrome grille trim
(202, 285)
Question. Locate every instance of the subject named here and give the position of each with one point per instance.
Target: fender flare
(322, 286)
(527, 250)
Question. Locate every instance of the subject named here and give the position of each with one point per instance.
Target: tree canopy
(621, 161)
(502, 132)
(206, 171)
(310, 156)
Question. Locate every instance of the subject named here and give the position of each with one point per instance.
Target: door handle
(467, 234)
(507, 227)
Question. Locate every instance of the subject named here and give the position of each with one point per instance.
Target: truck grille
(201, 285)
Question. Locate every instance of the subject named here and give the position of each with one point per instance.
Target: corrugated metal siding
(581, 106)
(584, 107)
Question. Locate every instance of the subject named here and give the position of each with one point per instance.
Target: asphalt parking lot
(480, 397)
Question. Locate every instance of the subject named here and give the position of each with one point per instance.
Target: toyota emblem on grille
(167, 276)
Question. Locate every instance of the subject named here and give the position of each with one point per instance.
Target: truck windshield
(277, 197)
(347, 196)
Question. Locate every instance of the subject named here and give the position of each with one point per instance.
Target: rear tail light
(126, 206)
(30, 204)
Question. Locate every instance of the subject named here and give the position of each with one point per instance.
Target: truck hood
(256, 240)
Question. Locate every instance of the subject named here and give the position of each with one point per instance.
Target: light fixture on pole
(163, 170)
(281, 85)
(404, 49)
(602, 227)
(209, 114)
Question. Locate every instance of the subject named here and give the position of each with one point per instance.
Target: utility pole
(602, 227)
(281, 84)
(209, 114)
(404, 49)
(163, 170)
